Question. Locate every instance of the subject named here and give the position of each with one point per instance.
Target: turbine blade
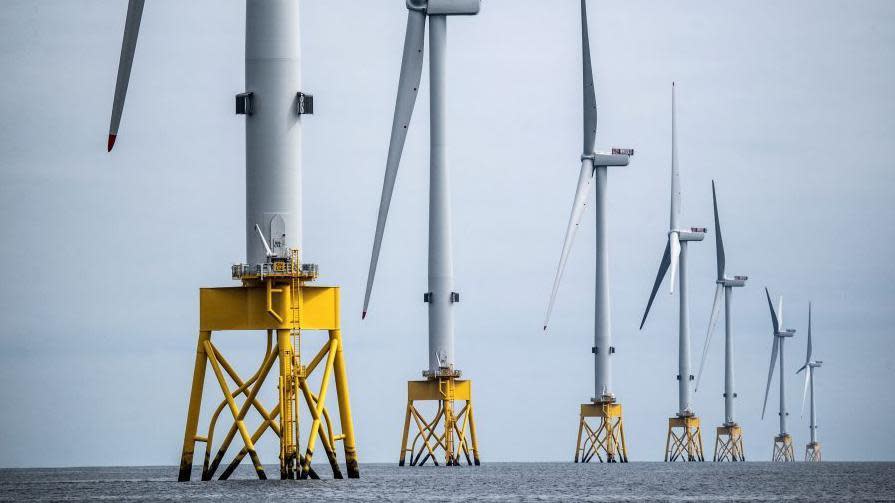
(719, 242)
(780, 312)
(774, 322)
(125, 61)
(408, 86)
(770, 374)
(590, 98)
(585, 182)
(805, 391)
(808, 357)
(675, 171)
(713, 321)
(663, 268)
(675, 244)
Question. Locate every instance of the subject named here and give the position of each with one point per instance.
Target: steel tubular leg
(621, 430)
(449, 459)
(667, 443)
(288, 414)
(404, 437)
(472, 435)
(717, 445)
(578, 442)
(348, 442)
(192, 415)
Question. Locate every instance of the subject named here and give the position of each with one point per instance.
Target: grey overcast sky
(789, 106)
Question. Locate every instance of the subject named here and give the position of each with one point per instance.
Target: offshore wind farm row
(277, 294)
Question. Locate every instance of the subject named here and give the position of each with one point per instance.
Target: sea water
(827, 481)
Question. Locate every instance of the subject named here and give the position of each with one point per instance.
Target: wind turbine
(728, 436)
(274, 287)
(684, 441)
(607, 439)
(812, 450)
(442, 383)
(783, 450)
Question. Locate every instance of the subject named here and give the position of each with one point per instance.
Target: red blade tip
(364, 315)
(111, 141)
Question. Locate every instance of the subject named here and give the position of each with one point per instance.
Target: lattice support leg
(684, 440)
(729, 444)
(285, 306)
(450, 434)
(783, 449)
(601, 433)
(813, 452)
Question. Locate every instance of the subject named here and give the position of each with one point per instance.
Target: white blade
(408, 85)
(805, 391)
(663, 268)
(780, 313)
(713, 321)
(125, 61)
(774, 323)
(675, 243)
(585, 182)
(675, 171)
(770, 374)
(808, 356)
(590, 98)
(719, 241)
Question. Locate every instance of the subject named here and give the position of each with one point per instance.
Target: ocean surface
(490, 482)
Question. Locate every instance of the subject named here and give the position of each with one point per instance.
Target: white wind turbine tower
(607, 440)
(812, 450)
(441, 384)
(684, 441)
(783, 450)
(729, 436)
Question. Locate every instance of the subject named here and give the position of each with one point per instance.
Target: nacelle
(446, 7)
(789, 332)
(737, 281)
(602, 159)
(694, 234)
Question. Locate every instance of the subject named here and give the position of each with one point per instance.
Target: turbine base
(813, 452)
(783, 450)
(684, 441)
(605, 439)
(449, 434)
(729, 443)
(287, 309)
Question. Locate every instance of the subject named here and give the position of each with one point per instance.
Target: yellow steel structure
(684, 442)
(450, 433)
(606, 438)
(275, 299)
(812, 452)
(729, 443)
(783, 451)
